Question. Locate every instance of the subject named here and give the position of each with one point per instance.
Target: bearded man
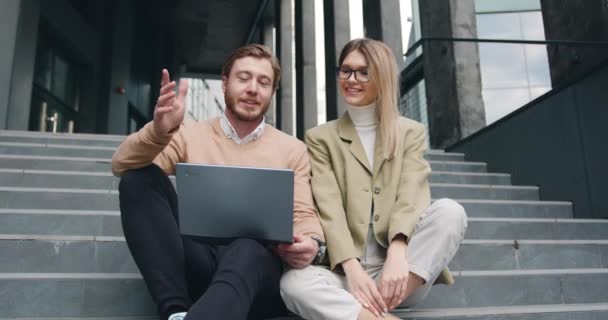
(192, 279)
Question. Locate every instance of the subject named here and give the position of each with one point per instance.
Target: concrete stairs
(63, 256)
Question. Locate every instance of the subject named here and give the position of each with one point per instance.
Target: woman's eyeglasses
(345, 73)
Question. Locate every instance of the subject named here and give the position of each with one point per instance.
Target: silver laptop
(221, 203)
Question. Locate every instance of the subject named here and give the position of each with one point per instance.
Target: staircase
(62, 254)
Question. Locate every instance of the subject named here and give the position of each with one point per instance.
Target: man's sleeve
(145, 147)
(305, 218)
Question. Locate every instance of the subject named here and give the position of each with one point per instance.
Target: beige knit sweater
(205, 142)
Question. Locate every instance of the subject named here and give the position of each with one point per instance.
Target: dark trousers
(238, 281)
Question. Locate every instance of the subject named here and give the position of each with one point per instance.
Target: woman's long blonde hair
(382, 70)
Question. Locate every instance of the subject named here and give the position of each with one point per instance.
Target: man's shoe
(177, 316)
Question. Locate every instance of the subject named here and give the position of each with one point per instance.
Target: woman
(386, 244)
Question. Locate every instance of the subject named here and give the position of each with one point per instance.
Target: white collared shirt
(231, 133)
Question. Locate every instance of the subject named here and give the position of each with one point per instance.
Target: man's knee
(133, 179)
(251, 253)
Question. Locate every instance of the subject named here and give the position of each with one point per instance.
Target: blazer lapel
(378, 151)
(346, 131)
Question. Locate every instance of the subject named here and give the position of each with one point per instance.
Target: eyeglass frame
(350, 73)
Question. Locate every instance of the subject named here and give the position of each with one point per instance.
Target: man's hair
(257, 51)
(383, 75)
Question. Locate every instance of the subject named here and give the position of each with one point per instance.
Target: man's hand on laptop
(299, 254)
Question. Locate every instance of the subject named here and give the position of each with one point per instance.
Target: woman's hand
(363, 288)
(395, 275)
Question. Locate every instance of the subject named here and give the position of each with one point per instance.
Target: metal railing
(566, 43)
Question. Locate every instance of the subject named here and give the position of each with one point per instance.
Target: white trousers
(317, 293)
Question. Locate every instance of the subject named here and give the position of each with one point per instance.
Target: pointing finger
(164, 78)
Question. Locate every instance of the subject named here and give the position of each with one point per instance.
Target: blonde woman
(386, 244)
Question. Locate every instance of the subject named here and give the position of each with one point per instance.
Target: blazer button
(376, 217)
(377, 190)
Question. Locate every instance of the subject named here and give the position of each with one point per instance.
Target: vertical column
(337, 34)
(574, 20)
(268, 36)
(9, 13)
(471, 108)
(390, 24)
(309, 103)
(118, 103)
(451, 71)
(22, 80)
(383, 22)
(287, 57)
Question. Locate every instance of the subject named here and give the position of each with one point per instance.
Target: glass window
(512, 74)
(502, 65)
(501, 102)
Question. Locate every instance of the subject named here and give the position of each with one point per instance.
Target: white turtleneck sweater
(365, 121)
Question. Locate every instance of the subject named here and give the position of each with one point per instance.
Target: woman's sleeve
(413, 194)
(327, 195)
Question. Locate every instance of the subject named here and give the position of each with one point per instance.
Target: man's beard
(231, 103)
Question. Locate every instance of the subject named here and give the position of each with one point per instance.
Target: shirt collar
(231, 133)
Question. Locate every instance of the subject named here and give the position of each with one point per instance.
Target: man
(191, 279)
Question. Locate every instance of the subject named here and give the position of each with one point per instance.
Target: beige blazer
(344, 187)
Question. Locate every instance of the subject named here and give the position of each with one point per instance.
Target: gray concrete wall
(309, 68)
(287, 96)
(337, 34)
(451, 71)
(468, 71)
(19, 104)
(557, 142)
(120, 71)
(574, 20)
(383, 22)
(79, 35)
(9, 13)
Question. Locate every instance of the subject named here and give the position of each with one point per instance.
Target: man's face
(248, 88)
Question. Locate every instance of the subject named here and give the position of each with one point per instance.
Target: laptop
(222, 203)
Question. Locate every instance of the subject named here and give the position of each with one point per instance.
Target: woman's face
(354, 91)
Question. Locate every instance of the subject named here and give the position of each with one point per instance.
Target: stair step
(88, 253)
(124, 294)
(54, 163)
(444, 156)
(83, 163)
(64, 139)
(539, 229)
(63, 150)
(107, 199)
(458, 166)
(590, 311)
(68, 220)
(60, 222)
(65, 295)
(520, 287)
(58, 198)
(475, 191)
(470, 178)
(62, 254)
(530, 254)
(516, 208)
(84, 148)
(54, 179)
(58, 179)
(105, 179)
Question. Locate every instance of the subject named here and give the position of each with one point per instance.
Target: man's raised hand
(170, 108)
